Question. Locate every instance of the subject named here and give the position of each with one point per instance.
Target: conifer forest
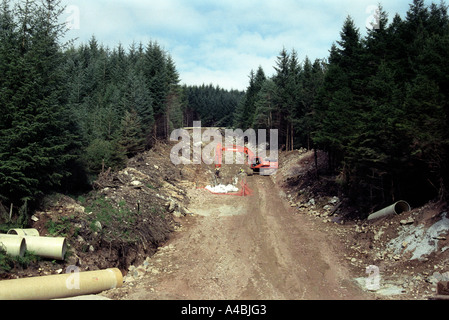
(378, 105)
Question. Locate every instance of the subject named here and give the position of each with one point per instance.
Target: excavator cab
(258, 165)
(265, 166)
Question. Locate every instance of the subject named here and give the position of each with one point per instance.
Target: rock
(154, 271)
(334, 200)
(98, 225)
(171, 206)
(378, 234)
(445, 276)
(136, 183)
(410, 220)
(140, 271)
(177, 214)
(185, 211)
(438, 277)
(133, 272)
(80, 239)
(73, 260)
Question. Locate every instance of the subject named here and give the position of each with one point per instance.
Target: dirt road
(246, 248)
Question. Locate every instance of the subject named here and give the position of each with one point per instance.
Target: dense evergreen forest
(214, 106)
(378, 105)
(69, 112)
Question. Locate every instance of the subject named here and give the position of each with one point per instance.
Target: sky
(219, 42)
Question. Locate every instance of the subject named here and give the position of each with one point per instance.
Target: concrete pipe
(61, 286)
(24, 232)
(397, 208)
(46, 247)
(14, 246)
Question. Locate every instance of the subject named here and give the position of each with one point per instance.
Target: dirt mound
(127, 216)
(410, 250)
(131, 216)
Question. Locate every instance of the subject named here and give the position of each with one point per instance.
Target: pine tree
(426, 130)
(131, 139)
(37, 141)
(246, 111)
(311, 81)
(137, 97)
(155, 72)
(173, 112)
(265, 104)
(377, 43)
(284, 83)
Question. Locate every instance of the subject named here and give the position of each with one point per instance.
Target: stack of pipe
(54, 286)
(17, 241)
(14, 246)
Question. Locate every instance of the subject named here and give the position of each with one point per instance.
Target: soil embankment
(245, 248)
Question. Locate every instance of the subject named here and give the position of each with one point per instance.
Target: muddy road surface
(245, 248)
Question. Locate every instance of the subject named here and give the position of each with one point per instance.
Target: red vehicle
(256, 163)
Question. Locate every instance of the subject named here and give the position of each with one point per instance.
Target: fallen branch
(335, 208)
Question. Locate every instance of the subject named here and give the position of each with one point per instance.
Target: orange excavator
(256, 163)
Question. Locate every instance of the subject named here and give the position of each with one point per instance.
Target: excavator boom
(255, 163)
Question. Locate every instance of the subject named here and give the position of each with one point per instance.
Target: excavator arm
(255, 163)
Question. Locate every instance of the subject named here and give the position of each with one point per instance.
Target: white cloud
(221, 41)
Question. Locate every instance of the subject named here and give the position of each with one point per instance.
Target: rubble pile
(410, 250)
(127, 216)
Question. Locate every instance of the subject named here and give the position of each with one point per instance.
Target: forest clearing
(279, 243)
(86, 161)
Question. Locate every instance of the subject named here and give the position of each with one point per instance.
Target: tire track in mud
(246, 248)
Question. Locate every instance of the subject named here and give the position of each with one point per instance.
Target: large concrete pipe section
(14, 246)
(24, 232)
(61, 286)
(46, 247)
(397, 208)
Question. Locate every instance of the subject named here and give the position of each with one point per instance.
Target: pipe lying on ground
(61, 286)
(14, 246)
(24, 232)
(46, 247)
(397, 208)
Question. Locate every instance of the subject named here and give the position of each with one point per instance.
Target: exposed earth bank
(248, 248)
(292, 238)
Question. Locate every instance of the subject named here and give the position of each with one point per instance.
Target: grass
(7, 262)
(117, 219)
(60, 228)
